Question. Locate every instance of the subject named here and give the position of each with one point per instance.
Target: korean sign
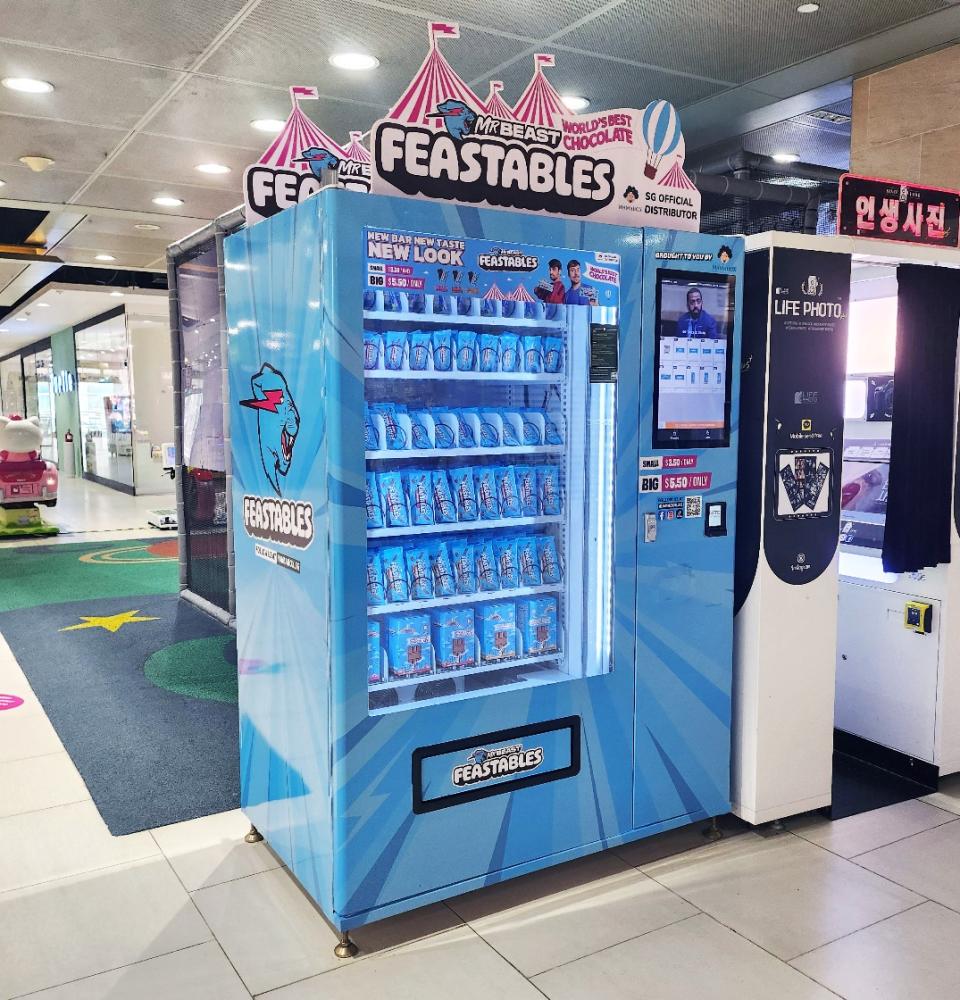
(904, 213)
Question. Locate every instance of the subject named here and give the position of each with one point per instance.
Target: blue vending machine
(483, 487)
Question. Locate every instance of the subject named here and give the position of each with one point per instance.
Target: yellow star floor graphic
(112, 623)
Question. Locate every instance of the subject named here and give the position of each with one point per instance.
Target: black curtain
(917, 532)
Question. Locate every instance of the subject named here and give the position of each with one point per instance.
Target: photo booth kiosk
(499, 635)
(828, 645)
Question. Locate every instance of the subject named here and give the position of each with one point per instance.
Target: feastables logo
(484, 765)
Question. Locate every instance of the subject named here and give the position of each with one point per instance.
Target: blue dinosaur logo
(278, 422)
(457, 117)
(319, 160)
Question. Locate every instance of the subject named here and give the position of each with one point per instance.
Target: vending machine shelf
(482, 668)
(477, 598)
(382, 374)
(427, 453)
(457, 526)
(441, 319)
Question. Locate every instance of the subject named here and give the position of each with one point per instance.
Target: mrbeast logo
(479, 158)
(484, 765)
(507, 260)
(288, 522)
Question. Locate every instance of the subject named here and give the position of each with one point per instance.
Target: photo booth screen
(694, 327)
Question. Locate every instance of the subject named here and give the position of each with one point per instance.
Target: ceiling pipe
(807, 199)
(741, 160)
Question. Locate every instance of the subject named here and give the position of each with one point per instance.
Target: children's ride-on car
(25, 478)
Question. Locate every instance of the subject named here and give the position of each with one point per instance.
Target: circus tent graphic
(540, 104)
(356, 150)
(496, 105)
(520, 294)
(677, 178)
(436, 81)
(493, 292)
(299, 133)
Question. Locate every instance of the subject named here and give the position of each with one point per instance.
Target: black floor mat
(859, 787)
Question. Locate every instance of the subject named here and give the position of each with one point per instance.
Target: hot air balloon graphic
(661, 130)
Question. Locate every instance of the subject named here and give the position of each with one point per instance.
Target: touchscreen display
(694, 330)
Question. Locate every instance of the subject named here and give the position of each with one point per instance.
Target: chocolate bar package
(466, 349)
(551, 433)
(418, 351)
(396, 436)
(510, 356)
(408, 646)
(527, 491)
(532, 354)
(374, 656)
(548, 487)
(537, 624)
(464, 567)
(444, 509)
(465, 432)
(528, 562)
(393, 499)
(552, 354)
(443, 435)
(420, 429)
(395, 574)
(486, 486)
(487, 578)
(454, 639)
(444, 582)
(371, 431)
(531, 429)
(372, 349)
(394, 350)
(488, 352)
(496, 626)
(419, 573)
(464, 493)
(507, 491)
(550, 571)
(508, 568)
(376, 592)
(419, 483)
(489, 427)
(442, 341)
(374, 510)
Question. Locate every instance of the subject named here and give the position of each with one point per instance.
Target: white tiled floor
(868, 907)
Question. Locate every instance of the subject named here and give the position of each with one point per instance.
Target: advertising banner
(879, 209)
(808, 352)
(440, 140)
(426, 264)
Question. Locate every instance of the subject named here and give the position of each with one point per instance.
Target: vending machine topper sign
(440, 140)
(299, 162)
(880, 209)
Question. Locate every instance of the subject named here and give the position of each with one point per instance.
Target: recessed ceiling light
(20, 319)
(116, 295)
(43, 305)
(808, 8)
(784, 157)
(354, 60)
(2, 183)
(575, 103)
(26, 85)
(167, 201)
(146, 227)
(37, 163)
(272, 125)
(212, 168)
(104, 256)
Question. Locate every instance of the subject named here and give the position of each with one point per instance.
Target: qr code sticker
(693, 507)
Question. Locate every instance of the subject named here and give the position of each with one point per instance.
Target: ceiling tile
(607, 85)
(221, 111)
(88, 90)
(261, 50)
(136, 196)
(73, 147)
(52, 185)
(173, 161)
(159, 32)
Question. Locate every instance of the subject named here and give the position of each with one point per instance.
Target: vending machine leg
(345, 947)
(254, 836)
(713, 831)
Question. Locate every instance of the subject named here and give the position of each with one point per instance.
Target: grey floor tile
(692, 958)
(198, 973)
(785, 894)
(550, 917)
(682, 839)
(867, 831)
(947, 796)
(928, 863)
(911, 956)
(77, 927)
(456, 964)
(39, 783)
